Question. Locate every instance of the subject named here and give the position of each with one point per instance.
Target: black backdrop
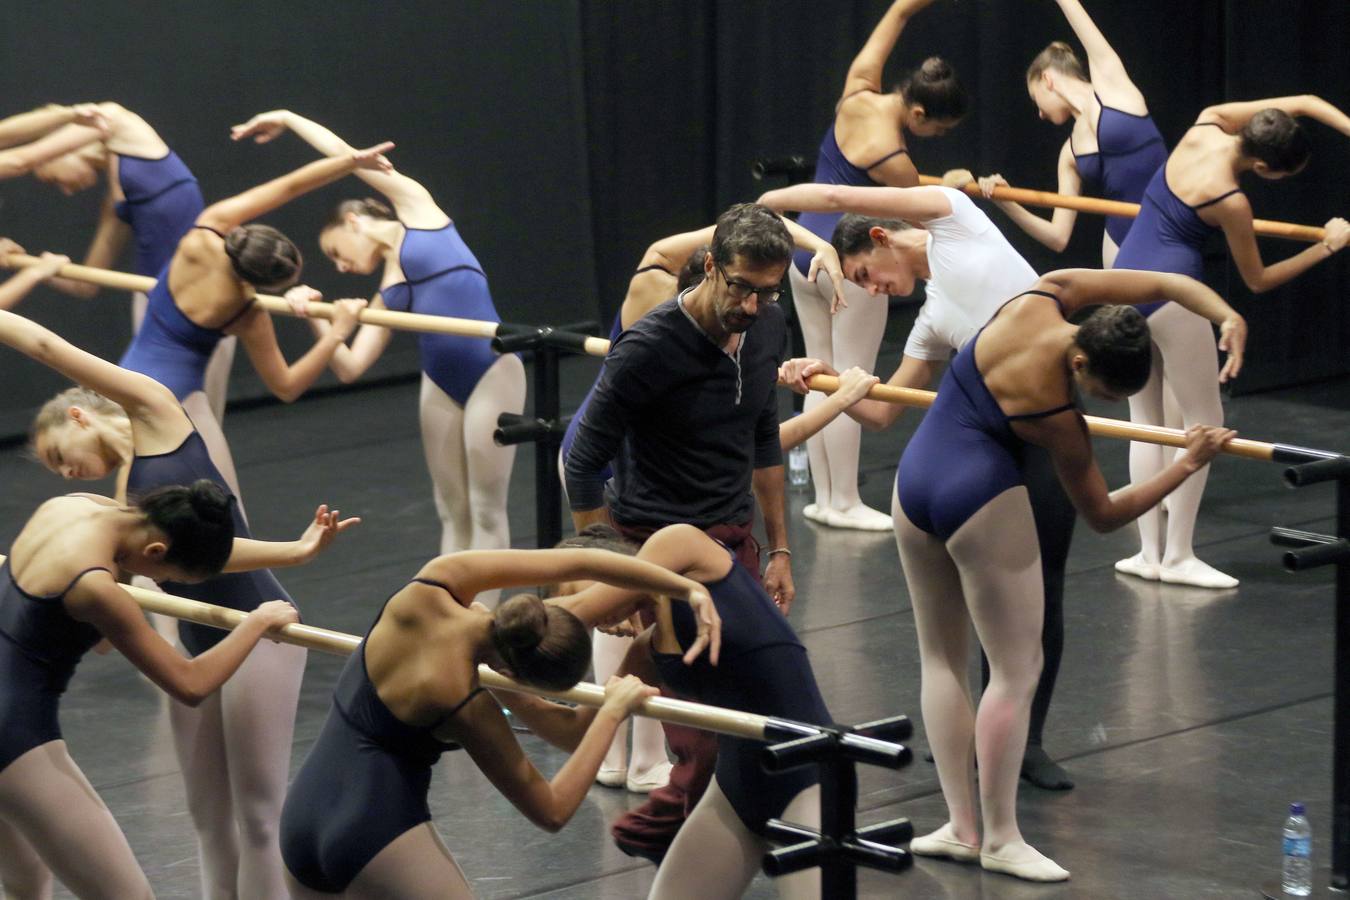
(565, 135)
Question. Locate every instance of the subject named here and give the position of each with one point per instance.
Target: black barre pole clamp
(1311, 466)
(807, 848)
(1312, 549)
(873, 743)
(517, 429)
(515, 338)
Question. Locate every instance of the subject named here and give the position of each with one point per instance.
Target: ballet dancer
(1195, 193)
(871, 128)
(59, 597)
(152, 199)
(207, 288)
(356, 822)
(964, 524)
(426, 268)
(1113, 148)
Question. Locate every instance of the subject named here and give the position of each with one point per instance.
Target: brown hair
(1060, 57)
(934, 86)
(543, 645)
(263, 256)
(367, 206)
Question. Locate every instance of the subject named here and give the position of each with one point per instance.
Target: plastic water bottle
(1296, 879)
(799, 467)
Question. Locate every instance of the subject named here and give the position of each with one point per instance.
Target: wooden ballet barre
(1102, 427)
(385, 318)
(1264, 227)
(666, 709)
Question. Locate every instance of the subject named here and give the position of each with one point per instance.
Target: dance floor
(1188, 718)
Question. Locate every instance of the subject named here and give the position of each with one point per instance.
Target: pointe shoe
(943, 845)
(1195, 573)
(1138, 567)
(859, 518)
(611, 777)
(1024, 861)
(815, 513)
(650, 780)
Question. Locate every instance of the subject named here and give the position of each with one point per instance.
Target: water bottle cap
(1296, 809)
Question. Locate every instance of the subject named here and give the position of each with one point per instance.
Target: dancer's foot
(612, 777)
(1138, 567)
(860, 517)
(816, 513)
(1044, 772)
(1195, 573)
(1021, 860)
(944, 844)
(648, 781)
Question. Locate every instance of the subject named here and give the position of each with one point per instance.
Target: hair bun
(521, 622)
(209, 500)
(935, 68)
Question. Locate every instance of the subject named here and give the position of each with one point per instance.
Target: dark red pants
(648, 830)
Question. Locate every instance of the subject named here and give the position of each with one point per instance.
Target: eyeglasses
(742, 290)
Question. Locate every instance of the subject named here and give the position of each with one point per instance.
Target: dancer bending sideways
(207, 288)
(1195, 193)
(233, 749)
(864, 145)
(426, 268)
(152, 200)
(356, 821)
(1113, 148)
(59, 597)
(965, 530)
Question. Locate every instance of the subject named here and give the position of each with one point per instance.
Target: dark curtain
(564, 136)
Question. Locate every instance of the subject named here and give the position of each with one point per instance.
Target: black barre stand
(1313, 550)
(839, 847)
(546, 427)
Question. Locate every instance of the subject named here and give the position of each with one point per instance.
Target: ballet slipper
(1021, 860)
(1138, 567)
(944, 845)
(1195, 573)
(612, 777)
(860, 518)
(650, 780)
(815, 513)
(1044, 772)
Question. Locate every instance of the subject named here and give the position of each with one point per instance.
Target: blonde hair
(54, 411)
(1060, 57)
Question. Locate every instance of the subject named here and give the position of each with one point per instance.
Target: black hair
(597, 536)
(691, 273)
(1060, 57)
(853, 233)
(753, 233)
(263, 256)
(1118, 347)
(367, 206)
(542, 644)
(198, 522)
(934, 86)
(1276, 139)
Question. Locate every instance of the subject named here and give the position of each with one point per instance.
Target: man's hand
(778, 581)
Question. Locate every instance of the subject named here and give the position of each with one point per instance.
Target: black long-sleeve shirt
(684, 424)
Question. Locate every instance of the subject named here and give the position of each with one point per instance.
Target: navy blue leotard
(243, 591)
(363, 784)
(764, 669)
(1129, 150)
(170, 347)
(162, 201)
(40, 646)
(1168, 236)
(964, 453)
(833, 168)
(442, 277)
